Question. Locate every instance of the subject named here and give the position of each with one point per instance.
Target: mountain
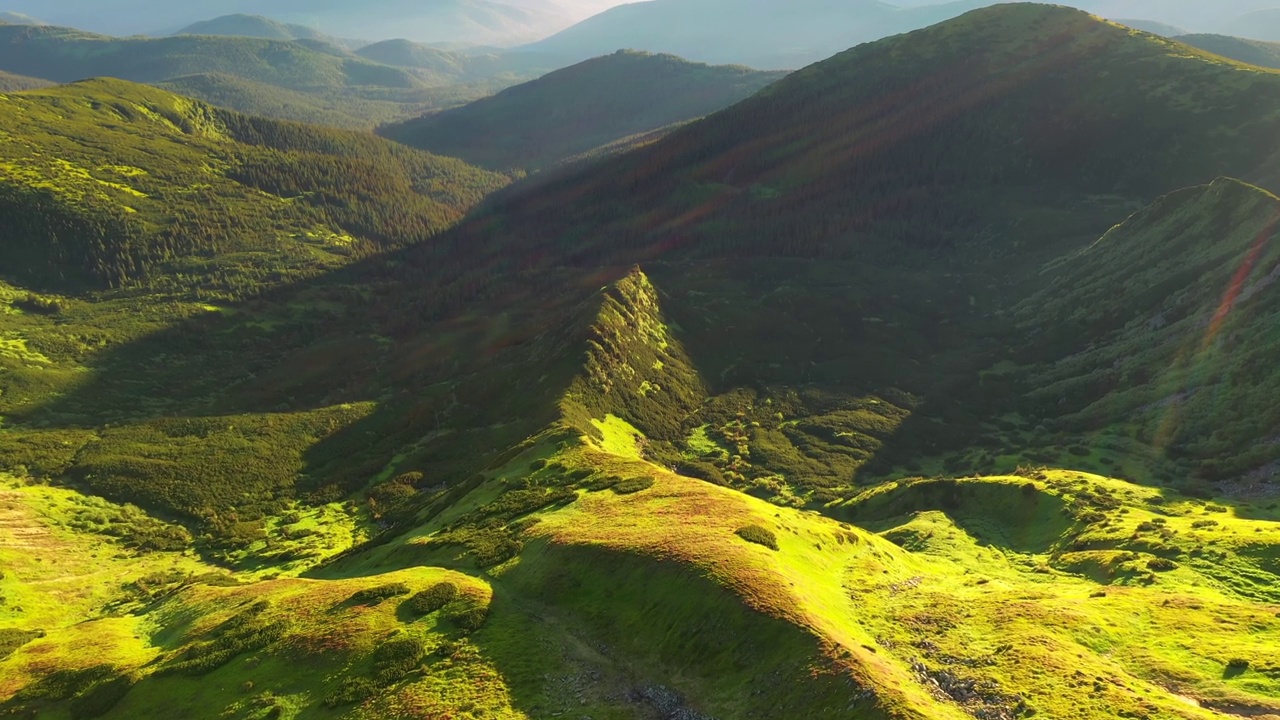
(757, 33)
(1154, 27)
(14, 83)
(256, 26)
(476, 22)
(580, 108)
(244, 73)
(1259, 25)
(148, 222)
(1255, 52)
(883, 393)
(18, 19)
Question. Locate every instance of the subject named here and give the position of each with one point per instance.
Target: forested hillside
(580, 108)
(320, 81)
(14, 83)
(882, 393)
(1255, 52)
(256, 26)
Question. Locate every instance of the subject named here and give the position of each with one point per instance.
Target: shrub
(467, 617)
(433, 598)
(759, 535)
(1237, 664)
(633, 485)
(350, 692)
(375, 595)
(101, 698)
(1161, 564)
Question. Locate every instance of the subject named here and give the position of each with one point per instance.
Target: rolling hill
(18, 19)
(78, 168)
(1255, 52)
(578, 109)
(882, 393)
(344, 88)
(257, 26)
(14, 83)
(1153, 27)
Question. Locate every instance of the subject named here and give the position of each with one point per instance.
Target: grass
(531, 439)
(578, 109)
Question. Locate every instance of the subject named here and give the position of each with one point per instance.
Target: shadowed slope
(577, 109)
(1255, 52)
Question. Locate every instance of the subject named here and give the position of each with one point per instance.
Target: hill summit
(934, 380)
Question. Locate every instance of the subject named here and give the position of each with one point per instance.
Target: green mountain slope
(83, 157)
(15, 83)
(343, 88)
(878, 394)
(580, 108)
(67, 55)
(1255, 52)
(1263, 24)
(255, 26)
(756, 34)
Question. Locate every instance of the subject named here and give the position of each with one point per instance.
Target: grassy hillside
(878, 394)
(16, 83)
(18, 19)
(304, 80)
(1255, 52)
(579, 108)
(1154, 27)
(256, 26)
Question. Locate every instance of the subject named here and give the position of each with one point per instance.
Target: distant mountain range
(579, 109)
(1255, 52)
(772, 34)
(312, 79)
(1153, 27)
(13, 83)
(458, 21)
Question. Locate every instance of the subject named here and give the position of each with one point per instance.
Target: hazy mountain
(257, 26)
(321, 80)
(1259, 25)
(18, 19)
(469, 21)
(13, 83)
(580, 108)
(758, 33)
(1153, 27)
(1254, 52)
(934, 380)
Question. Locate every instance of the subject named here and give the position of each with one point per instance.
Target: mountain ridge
(882, 392)
(577, 109)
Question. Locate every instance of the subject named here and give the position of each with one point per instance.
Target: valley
(931, 381)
